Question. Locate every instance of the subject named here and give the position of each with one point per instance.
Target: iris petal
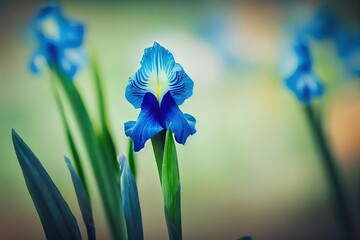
(158, 74)
(148, 123)
(172, 117)
(37, 62)
(48, 23)
(181, 86)
(302, 52)
(305, 86)
(73, 34)
(303, 82)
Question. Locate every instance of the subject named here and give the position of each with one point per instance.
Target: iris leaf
(105, 173)
(106, 141)
(83, 201)
(130, 200)
(245, 238)
(171, 188)
(158, 142)
(131, 155)
(75, 154)
(55, 215)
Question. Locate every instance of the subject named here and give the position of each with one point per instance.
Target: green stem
(337, 191)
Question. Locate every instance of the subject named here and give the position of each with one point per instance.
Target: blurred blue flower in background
(347, 44)
(327, 25)
(159, 87)
(323, 25)
(303, 82)
(60, 40)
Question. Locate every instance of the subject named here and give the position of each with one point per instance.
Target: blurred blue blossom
(303, 82)
(326, 25)
(158, 88)
(347, 44)
(59, 41)
(323, 25)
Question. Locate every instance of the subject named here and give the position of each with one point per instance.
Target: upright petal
(302, 52)
(156, 65)
(180, 86)
(148, 123)
(172, 117)
(73, 34)
(158, 74)
(48, 23)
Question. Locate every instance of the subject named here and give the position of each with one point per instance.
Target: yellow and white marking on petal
(158, 84)
(50, 28)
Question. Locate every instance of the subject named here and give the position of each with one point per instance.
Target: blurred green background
(251, 169)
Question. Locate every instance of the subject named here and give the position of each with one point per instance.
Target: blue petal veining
(159, 73)
(158, 88)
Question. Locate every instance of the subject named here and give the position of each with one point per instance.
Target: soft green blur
(251, 168)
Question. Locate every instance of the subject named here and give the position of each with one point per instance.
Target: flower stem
(333, 175)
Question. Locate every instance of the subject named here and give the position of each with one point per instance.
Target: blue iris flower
(303, 82)
(324, 24)
(347, 43)
(158, 88)
(60, 41)
(327, 25)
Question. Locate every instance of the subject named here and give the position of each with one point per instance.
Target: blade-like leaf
(130, 200)
(83, 201)
(245, 238)
(55, 215)
(131, 155)
(105, 173)
(174, 231)
(76, 157)
(171, 188)
(106, 141)
(158, 142)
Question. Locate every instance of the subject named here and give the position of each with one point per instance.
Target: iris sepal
(154, 118)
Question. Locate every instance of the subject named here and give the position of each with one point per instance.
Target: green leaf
(105, 173)
(158, 142)
(83, 201)
(130, 200)
(55, 215)
(106, 141)
(171, 188)
(131, 155)
(76, 157)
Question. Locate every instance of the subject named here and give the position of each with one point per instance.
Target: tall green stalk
(333, 175)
